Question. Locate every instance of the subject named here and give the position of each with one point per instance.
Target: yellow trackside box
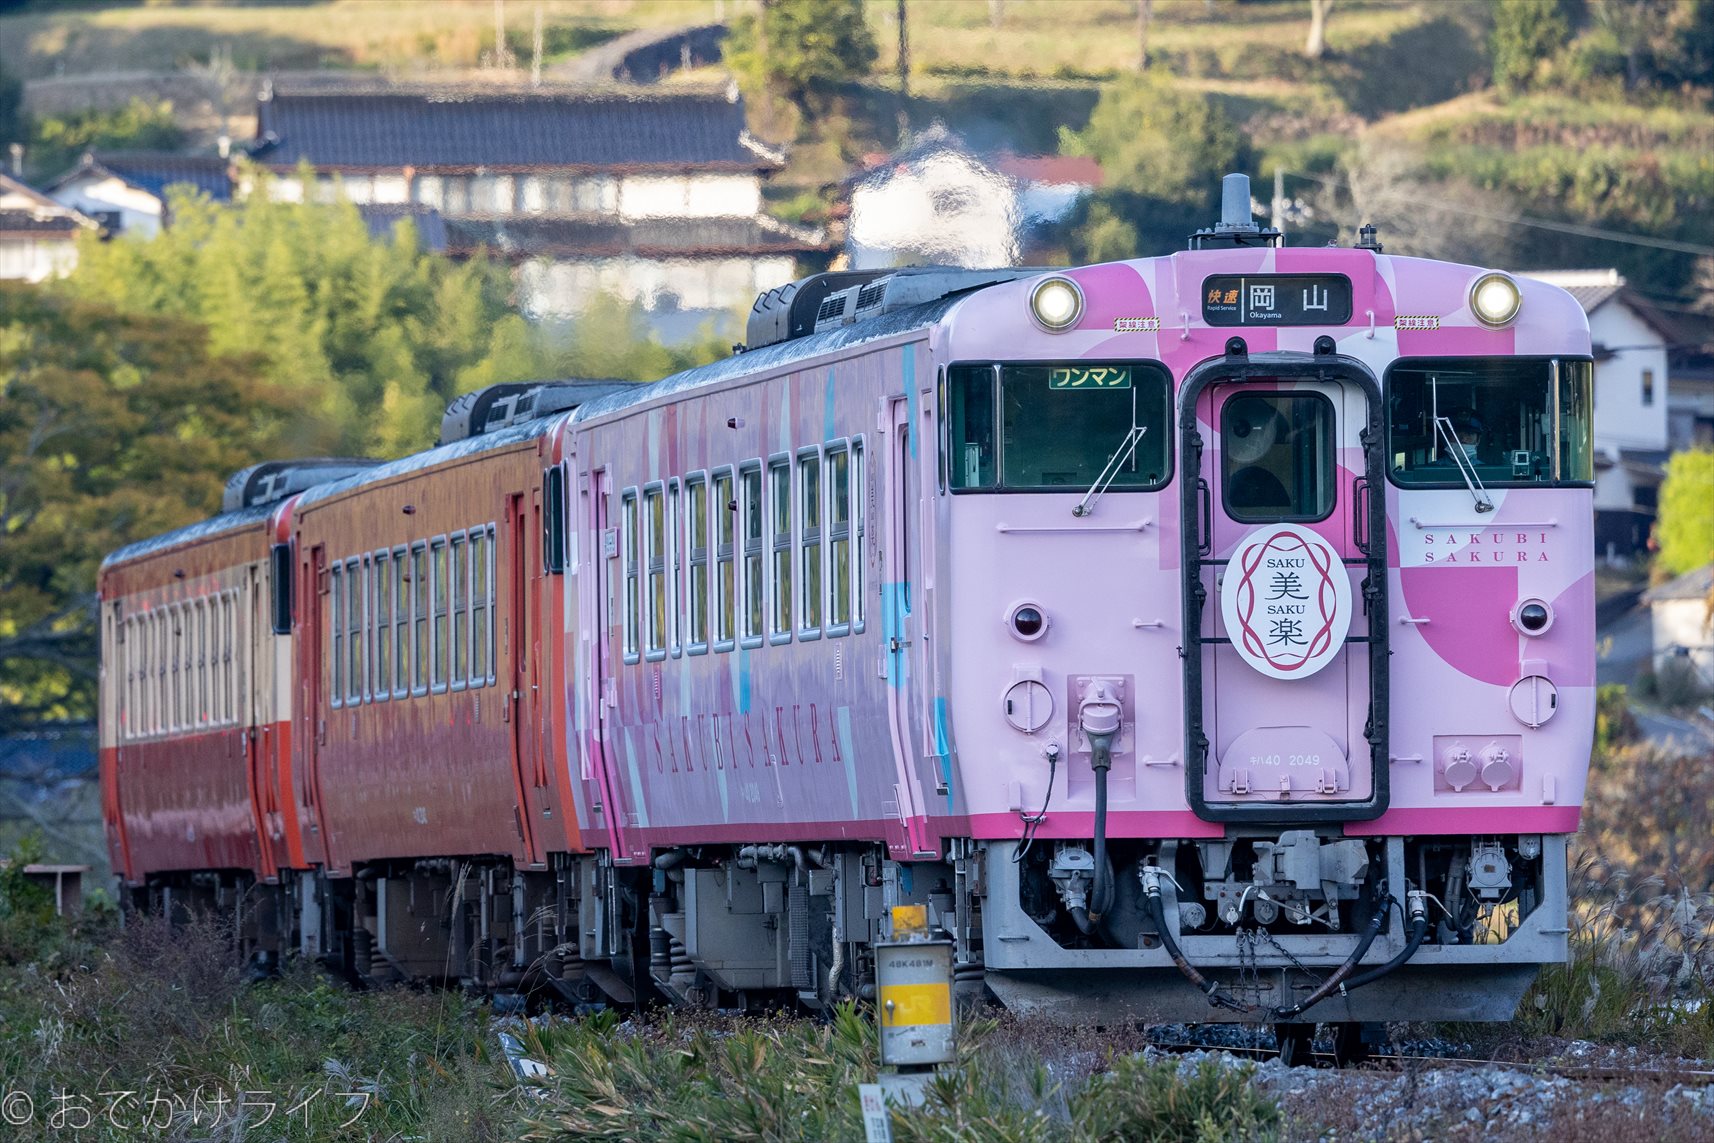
(913, 981)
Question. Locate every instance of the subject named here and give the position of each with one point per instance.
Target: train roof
(211, 528)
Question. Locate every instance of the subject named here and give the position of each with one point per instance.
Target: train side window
(780, 539)
(811, 562)
(162, 712)
(553, 520)
(633, 591)
(674, 560)
(725, 593)
(478, 607)
(381, 635)
(419, 618)
(859, 515)
(336, 631)
(356, 678)
(838, 539)
(750, 480)
(280, 587)
(696, 553)
(654, 552)
(401, 633)
(460, 612)
(198, 677)
(230, 657)
(437, 630)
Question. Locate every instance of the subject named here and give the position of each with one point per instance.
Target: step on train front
(1205, 637)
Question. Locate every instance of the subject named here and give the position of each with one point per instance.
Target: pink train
(1206, 637)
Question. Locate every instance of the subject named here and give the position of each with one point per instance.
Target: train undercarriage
(1281, 927)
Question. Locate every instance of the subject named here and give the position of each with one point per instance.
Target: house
(1631, 340)
(1683, 623)
(654, 195)
(938, 201)
(126, 191)
(38, 236)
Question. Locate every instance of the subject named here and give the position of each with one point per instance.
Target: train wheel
(1295, 1043)
(1350, 1048)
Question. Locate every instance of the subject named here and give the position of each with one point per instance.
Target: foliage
(1157, 139)
(1156, 1101)
(803, 49)
(1686, 513)
(11, 108)
(1615, 725)
(112, 427)
(56, 143)
(1526, 33)
(370, 338)
(163, 1011)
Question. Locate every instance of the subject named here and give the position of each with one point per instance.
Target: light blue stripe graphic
(943, 748)
(848, 752)
(827, 406)
(895, 607)
(908, 367)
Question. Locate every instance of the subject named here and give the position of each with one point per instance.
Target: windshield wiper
(1454, 449)
(1133, 437)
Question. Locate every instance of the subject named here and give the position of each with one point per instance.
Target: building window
(810, 566)
(725, 565)
(1648, 386)
(633, 593)
(382, 617)
(420, 617)
(780, 538)
(696, 549)
(754, 582)
(839, 539)
(460, 611)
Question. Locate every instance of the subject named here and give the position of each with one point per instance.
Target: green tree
(804, 49)
(1685, 528)
(56, 143)
(112, 427)
(1526, 32)
(1155, 139)
(371, 337)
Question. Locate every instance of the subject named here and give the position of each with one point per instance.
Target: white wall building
(126, 191)
(38, 236)
(1683, 627)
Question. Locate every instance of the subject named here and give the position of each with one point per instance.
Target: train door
(901, 625)
(312, 705)
(523, 705)
(1286, 693)
(252, 689)
(601, 596)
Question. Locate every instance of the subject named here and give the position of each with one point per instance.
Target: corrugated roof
(440, 130)
(605, 236)
(1694, 584)
(201, 530)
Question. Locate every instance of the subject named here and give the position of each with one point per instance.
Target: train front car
(1269, 653)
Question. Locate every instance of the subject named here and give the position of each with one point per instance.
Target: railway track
(1382, 1061)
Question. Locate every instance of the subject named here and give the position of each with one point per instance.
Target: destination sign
(1276, 299)
(1089, 377)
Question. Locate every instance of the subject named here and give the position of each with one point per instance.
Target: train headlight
(1495, 299)
(1532, 616)
(1056, 304)
(1027, 621)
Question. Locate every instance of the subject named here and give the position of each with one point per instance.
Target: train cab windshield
(1054, 427)
(1503, 420)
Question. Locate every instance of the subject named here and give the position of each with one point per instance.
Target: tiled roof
(155, 171)
(28, 222)
(431, 226)
(501, 130)
(1052, 170)
(593, 237)
(1591, 288)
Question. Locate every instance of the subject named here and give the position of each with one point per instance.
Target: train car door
(603, 584)
(523, 646)
(900, 625)
(252, 688)
(312, 731)
(1286, 695)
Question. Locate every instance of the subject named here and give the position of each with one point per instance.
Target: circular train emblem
(1286, 601)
